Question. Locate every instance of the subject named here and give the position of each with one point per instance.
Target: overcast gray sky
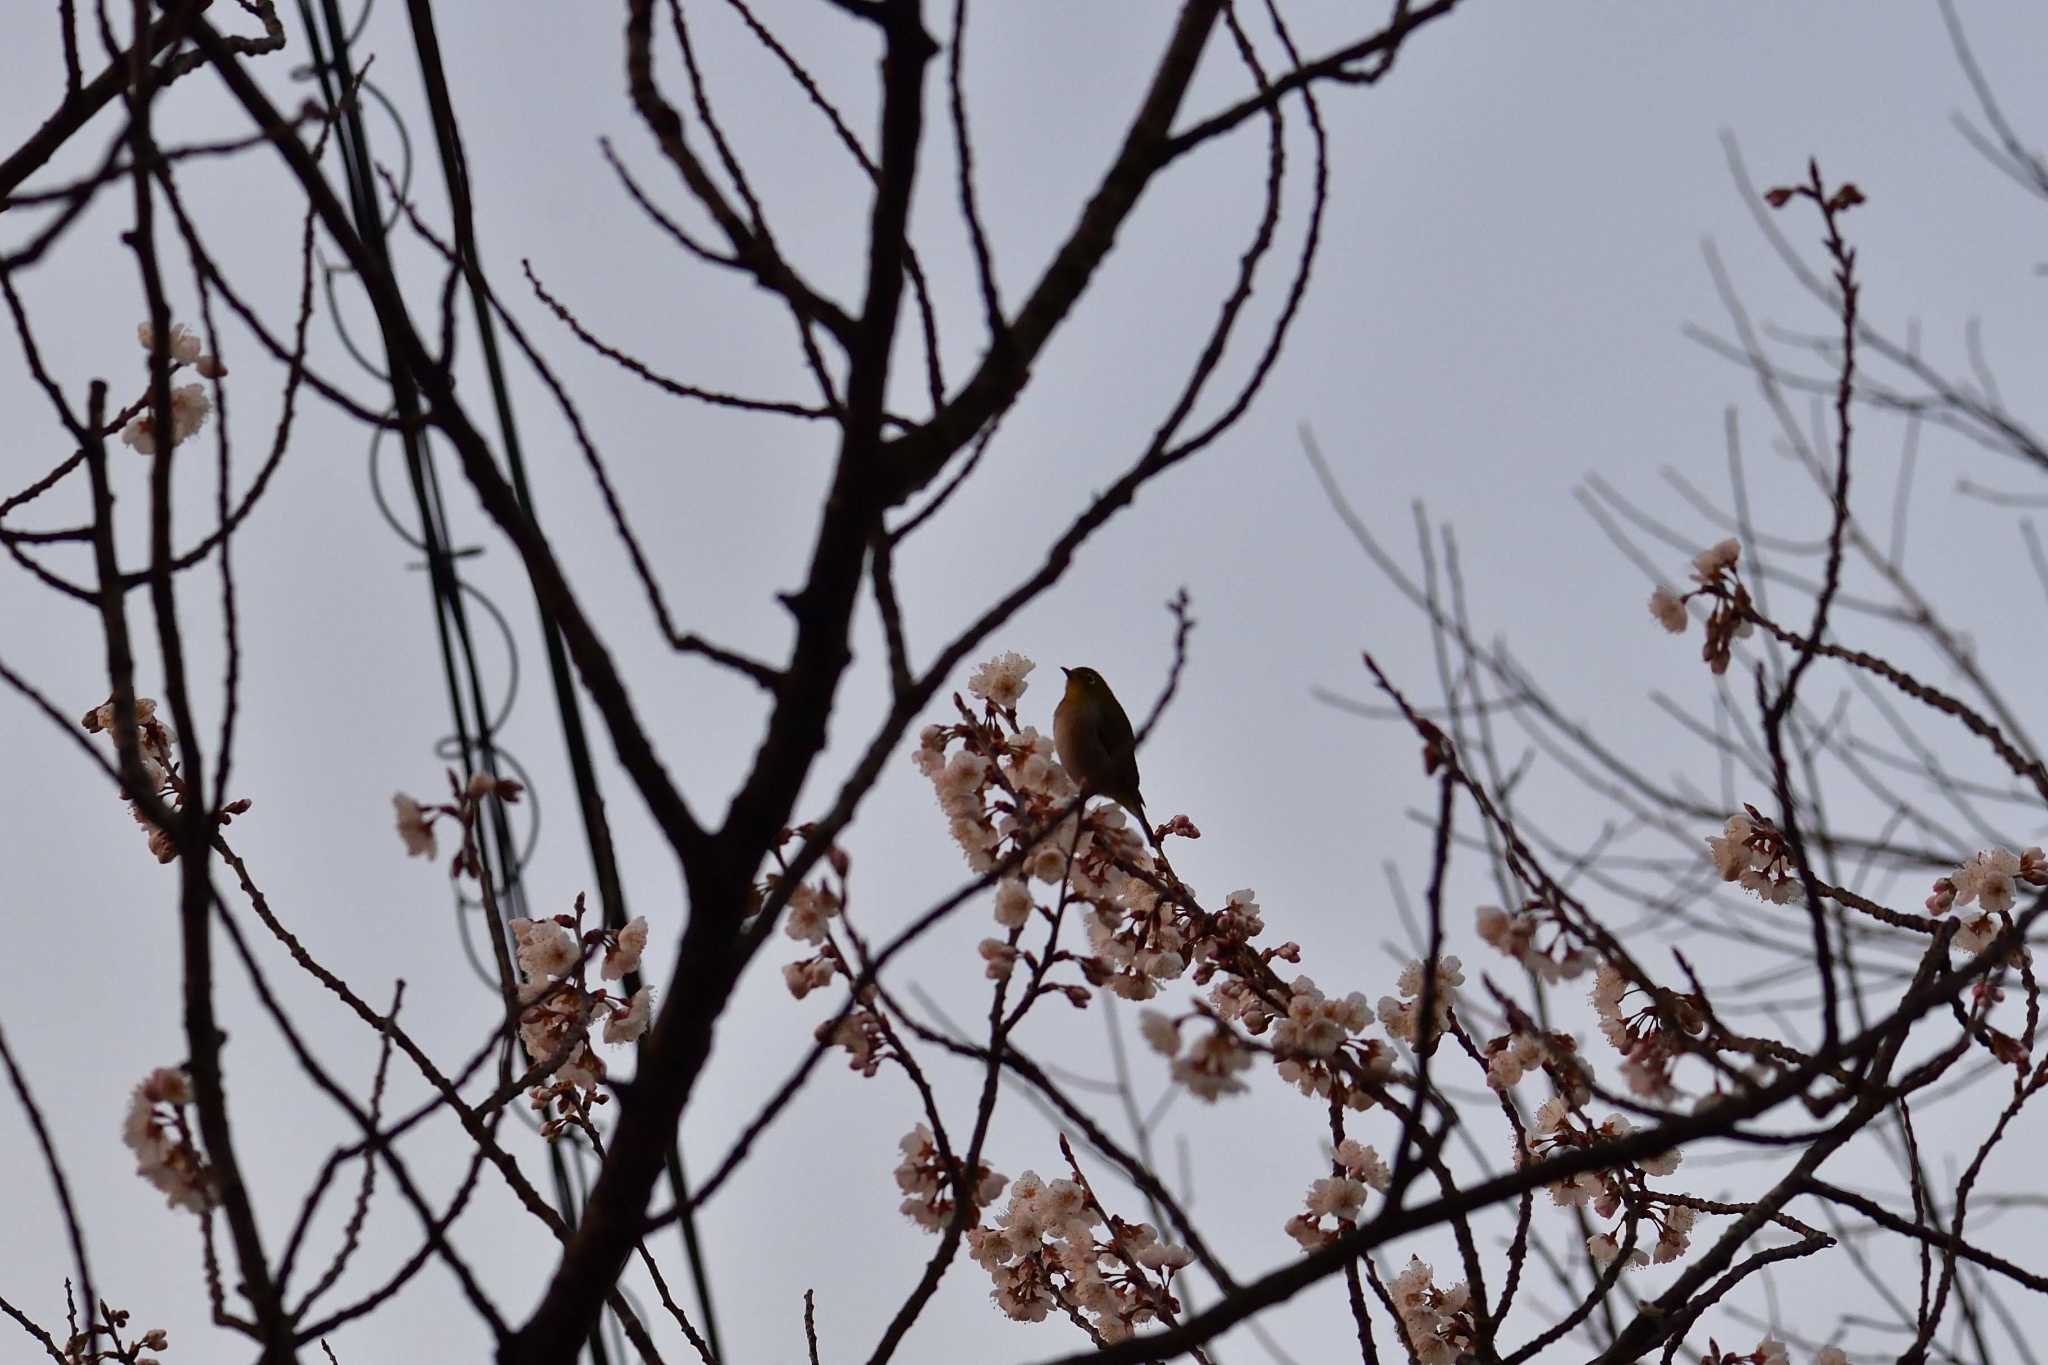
(1514, 241)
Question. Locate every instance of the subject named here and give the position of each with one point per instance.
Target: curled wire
(458, 747)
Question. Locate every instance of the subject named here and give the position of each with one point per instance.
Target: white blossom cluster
(807, 974)
(808, 919)
(927, 1182)
(1313, 1045)
(812, 907)
(1649, 1039)
(1043, 1253)
(1751, 850)
(1527, 1049)
(1007, 799)
(1315, 1025)
(1516, 935)
(1989, 880)
(1713, 569)
(1717, 559)
(1315, 1048)
(1020, 768)
(861, 1033)
(812, 910)
(416, 819)
(1436, 1323)
(156, 1130)
(1617, 1191)
(1140, 939)
(1339, 1197)
(154, 740)
(1000, 681)
(1212, 1064)
(190, 404)
(1401, 1016)
(1673, 1224)
(1000, 957)
(557, 1011)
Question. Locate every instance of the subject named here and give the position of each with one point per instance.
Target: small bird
(1096, 744)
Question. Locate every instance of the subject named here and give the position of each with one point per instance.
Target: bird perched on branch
(1096, 743)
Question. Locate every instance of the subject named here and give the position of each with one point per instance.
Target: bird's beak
(1068, 671)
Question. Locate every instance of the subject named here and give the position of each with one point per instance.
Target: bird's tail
(1137, 809)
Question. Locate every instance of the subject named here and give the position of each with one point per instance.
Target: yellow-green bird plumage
(1096, 743)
